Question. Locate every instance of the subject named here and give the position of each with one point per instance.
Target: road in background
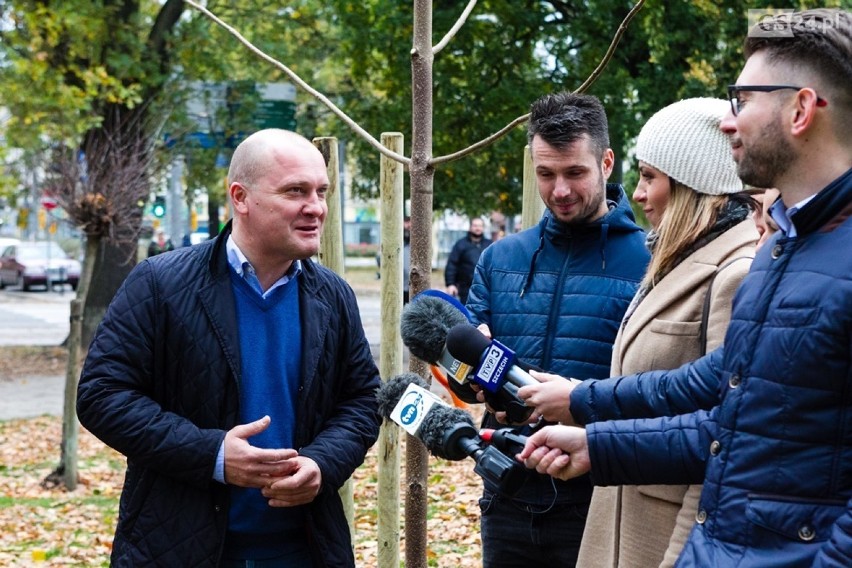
(34, 318)
(42, 318)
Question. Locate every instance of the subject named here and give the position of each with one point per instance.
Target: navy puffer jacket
(776, 455)
(555, 294)
(161, 383)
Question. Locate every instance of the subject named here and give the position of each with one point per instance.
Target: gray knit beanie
(683, 141)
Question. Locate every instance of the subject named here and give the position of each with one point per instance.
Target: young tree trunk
(66, 472)
(422, 176)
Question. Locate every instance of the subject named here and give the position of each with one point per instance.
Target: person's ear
(239, 196)
(805, 110)
(607, 162)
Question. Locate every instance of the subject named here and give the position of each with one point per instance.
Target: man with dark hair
(464, 255)
(236, 378)
(774, 454)
(555, 294)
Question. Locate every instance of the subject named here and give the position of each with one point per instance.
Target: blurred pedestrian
(458, 274)
(160, 243)
(406, 257)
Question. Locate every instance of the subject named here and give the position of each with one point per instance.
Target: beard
(766, 158)
(591, 211)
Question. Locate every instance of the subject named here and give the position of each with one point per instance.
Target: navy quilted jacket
(555, 294)
(776, 455)
(647, 394)
(160, 385)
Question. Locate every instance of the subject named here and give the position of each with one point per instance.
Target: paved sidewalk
(32, 396)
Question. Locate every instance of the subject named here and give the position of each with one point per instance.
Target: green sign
(275, 114)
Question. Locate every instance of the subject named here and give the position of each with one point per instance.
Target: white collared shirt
(245, 270)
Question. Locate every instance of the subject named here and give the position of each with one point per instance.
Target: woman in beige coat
(702, 242)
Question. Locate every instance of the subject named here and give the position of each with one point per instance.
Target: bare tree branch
(521, 119)
(299, 81)
(102, 183)
(456, 27)
(616, 38)
(481, 144)
(375, 143)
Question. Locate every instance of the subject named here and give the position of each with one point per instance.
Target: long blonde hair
(687, 217)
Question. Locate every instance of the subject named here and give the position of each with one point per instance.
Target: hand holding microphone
(559, 451)
(550, 396)
(496, 370)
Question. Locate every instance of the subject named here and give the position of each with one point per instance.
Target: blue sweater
(270, 343)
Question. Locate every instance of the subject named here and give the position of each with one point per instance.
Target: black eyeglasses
(735, 90)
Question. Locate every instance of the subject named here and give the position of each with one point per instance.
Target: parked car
(37, 263)
(5, 242)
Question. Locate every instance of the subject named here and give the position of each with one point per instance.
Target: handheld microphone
(390, 392)
(494, 362)
(446, 432)
(504, 439)
(494, 370)
(424, 326)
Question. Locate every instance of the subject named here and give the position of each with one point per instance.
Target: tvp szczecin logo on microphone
(413, 407)
(495, 364)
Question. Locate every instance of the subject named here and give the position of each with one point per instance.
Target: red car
(38, 263)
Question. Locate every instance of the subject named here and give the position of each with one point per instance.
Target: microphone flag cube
(412, 408)
(496, 362)
(455, 369)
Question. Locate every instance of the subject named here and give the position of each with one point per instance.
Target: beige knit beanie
(683, 141)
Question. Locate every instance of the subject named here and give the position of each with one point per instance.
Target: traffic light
(159, 207)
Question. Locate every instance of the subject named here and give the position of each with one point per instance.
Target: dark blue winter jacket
(647, 394)
(775, 455)
(555, 294)
(161, 385)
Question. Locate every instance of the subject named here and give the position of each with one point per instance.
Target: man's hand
(453, 291)
(551, 398)
(559, 451)
(301, 486)
(248, 466)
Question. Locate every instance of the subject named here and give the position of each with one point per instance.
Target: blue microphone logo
(411, 409)
(495, 364)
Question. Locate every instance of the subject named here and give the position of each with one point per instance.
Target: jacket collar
(828, 209)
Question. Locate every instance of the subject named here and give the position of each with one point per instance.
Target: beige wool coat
(646, 526)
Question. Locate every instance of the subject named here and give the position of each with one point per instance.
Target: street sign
(275, 114)
(275, 108)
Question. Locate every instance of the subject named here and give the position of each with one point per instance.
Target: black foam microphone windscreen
(449, 433)
(389, 392)
(424, 326)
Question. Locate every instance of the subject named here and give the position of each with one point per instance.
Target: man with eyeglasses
(775, 454)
